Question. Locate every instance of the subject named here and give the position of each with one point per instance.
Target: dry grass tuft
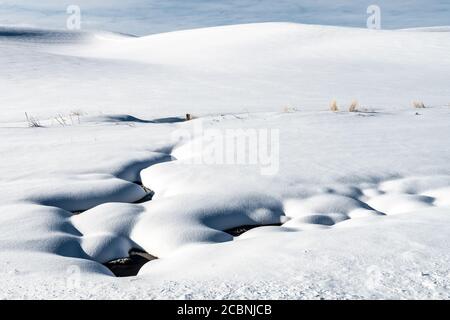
(353, 106)
(333, 106)
(418, 105)
(32, 121)
(61, 120)
(289, 109)
(76, 114)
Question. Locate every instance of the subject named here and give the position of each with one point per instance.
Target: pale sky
(143, 17)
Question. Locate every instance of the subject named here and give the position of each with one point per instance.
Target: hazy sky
(153, 16)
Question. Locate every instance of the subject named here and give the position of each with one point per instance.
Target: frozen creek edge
(318, 211)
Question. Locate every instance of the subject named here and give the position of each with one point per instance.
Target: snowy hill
(256, 67)
(154, 16)
(97, 162)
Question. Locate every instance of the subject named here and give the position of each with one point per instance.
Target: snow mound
(171, 223)
(328, 203)
(394, 204)
(87, 191)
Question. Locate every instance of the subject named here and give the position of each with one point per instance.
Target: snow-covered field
(353, 205)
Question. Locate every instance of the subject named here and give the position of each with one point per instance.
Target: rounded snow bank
(172, 222)
(164, 225)
(86, 191)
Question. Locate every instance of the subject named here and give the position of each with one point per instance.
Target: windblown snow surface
(363, 198)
